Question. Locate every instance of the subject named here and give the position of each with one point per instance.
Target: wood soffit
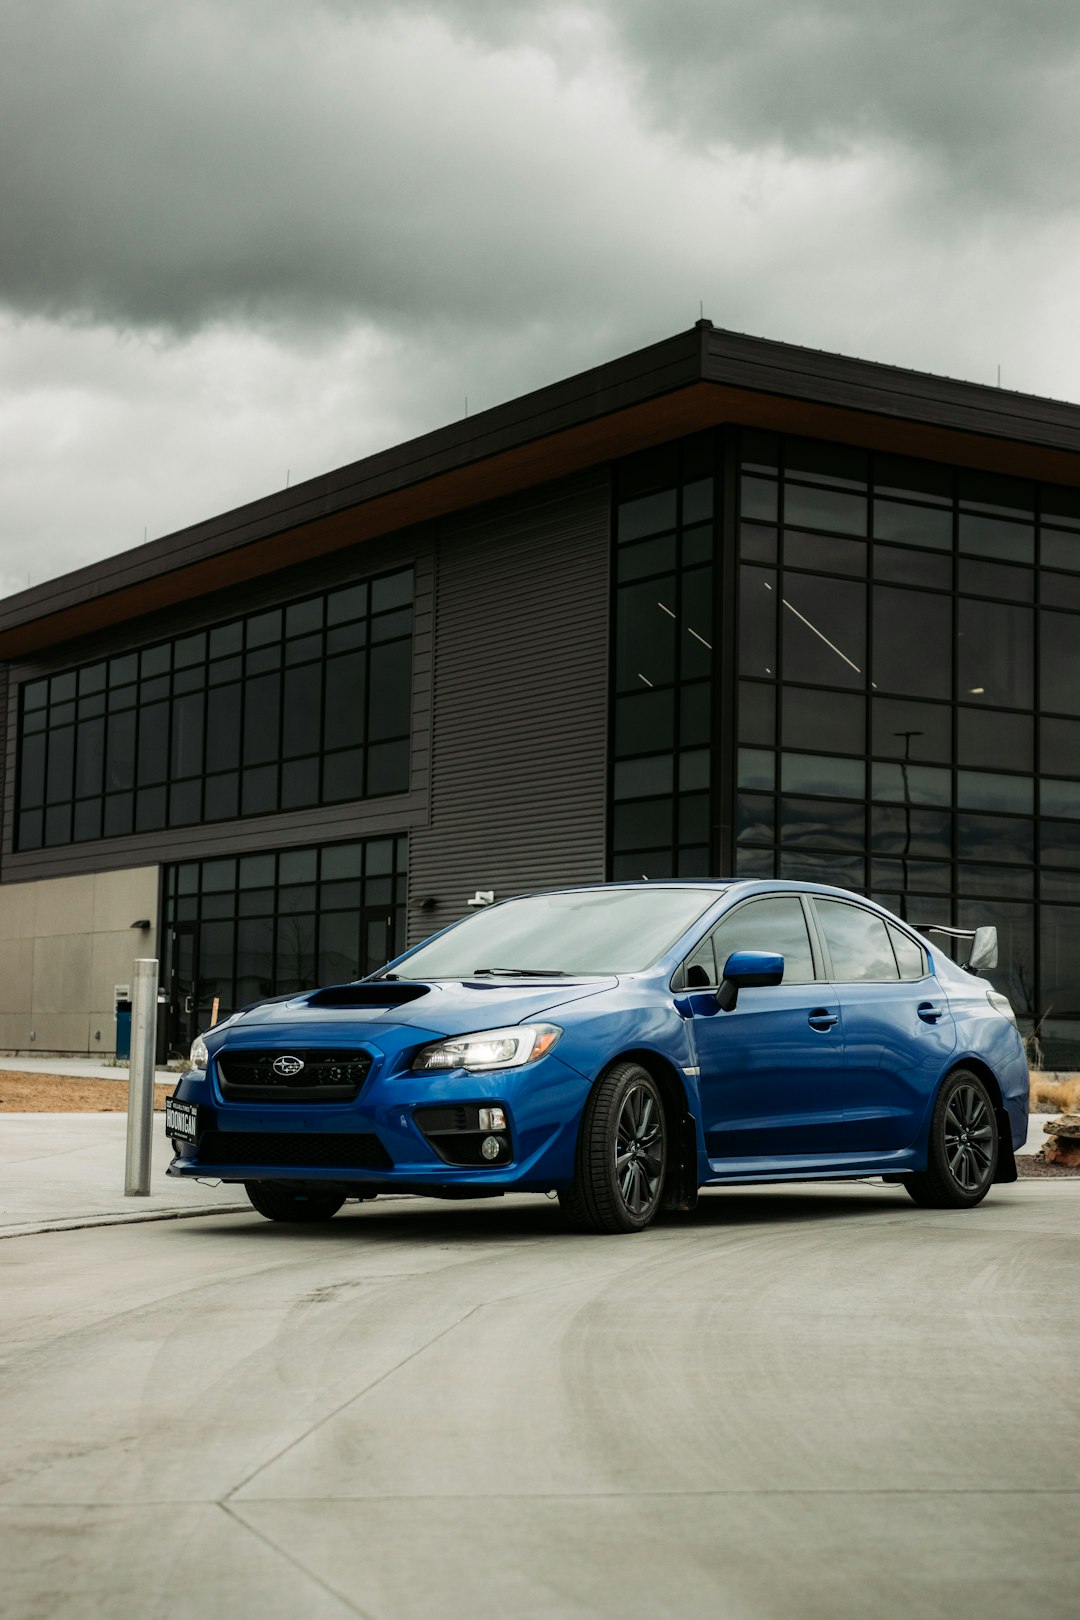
(857, 409)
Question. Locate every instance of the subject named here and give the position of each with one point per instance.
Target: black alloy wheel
(622, 1154)
(963, 1148)
(302, 1205)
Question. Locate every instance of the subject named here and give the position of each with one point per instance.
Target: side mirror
(748, 970)
(984, 950)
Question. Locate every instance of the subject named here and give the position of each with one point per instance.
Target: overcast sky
(249, 239)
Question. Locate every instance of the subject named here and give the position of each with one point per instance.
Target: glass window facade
(665, 517)
(241, 928)
(909, 661)
(896, 686)
(286, 708)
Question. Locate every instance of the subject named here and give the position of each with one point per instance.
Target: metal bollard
(140, 1119)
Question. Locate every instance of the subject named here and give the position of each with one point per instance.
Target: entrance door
(376, 939)
(183, 1014)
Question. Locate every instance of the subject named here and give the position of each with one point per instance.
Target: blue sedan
(623, 1046)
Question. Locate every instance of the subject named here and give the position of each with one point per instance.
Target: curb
(81, 1223)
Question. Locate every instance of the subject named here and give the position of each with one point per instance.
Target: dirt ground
(61, 1094)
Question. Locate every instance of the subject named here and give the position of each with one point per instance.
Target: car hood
(442, 1007)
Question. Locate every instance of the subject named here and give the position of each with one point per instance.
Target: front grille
(306, 1149)
(325, 1076)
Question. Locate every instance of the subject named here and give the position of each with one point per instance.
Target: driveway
(798, 1404)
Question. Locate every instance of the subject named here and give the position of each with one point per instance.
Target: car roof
(717, 886)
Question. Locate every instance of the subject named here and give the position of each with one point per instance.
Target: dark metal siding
(321, 824)
(519, 758)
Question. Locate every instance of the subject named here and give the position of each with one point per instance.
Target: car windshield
(580, 931)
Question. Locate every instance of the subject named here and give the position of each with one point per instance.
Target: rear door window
(858, 943)
(910, 957)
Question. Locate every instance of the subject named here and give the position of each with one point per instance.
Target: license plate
(181, 1120)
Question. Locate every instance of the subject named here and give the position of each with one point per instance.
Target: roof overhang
(701, 378)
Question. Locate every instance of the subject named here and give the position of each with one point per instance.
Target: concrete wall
(64, 944)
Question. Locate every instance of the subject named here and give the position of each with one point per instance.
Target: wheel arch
(1006, 1164)
(681, 1185)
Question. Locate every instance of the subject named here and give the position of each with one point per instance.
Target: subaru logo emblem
(288, 1066)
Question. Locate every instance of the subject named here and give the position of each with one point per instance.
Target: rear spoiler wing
(983, 952)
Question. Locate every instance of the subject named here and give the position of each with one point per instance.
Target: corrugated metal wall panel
(519, 754)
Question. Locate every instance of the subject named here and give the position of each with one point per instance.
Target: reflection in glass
(833, 722)
(776, 925)
(994, 838)
(896, 565)
(811, 508)
(900, 831)
(755, 818)
(912, 642)
(757, 621)
(824, 636)
(995, 654)
(913, 525)
(1059, 662)
(988, 737)
(803, 865)
(757, 768)
(911, 784)
(921, 732)
(822, 824)
(820, 773)
(858, 943)
(1059, 798)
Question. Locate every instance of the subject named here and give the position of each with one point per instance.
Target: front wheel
(621, 1155)
(963, 1149)
(300, 1204)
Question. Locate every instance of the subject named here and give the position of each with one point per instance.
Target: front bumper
(384, 1139)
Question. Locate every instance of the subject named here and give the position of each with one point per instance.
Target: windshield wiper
(519, 973)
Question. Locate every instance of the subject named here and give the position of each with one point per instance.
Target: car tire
(295, 1204)
(622, 1154)
(962, 1153)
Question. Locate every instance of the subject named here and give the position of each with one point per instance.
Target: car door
(771, 1074)
(898, 1029)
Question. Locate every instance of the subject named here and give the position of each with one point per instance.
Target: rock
(1063, 1152)
(1067, 1126)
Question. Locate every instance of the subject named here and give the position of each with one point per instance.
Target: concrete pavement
(811, 1403)
(63, 1170)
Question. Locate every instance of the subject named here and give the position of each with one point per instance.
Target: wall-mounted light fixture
(141, 922)
(428, 903)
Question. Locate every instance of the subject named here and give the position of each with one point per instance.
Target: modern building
(722, 605)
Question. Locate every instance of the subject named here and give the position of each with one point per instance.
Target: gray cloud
(240, 236)
(265, 162)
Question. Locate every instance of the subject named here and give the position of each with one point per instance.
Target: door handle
(821, 1018)
(929, 1013)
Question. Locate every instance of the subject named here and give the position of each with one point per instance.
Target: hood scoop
(367, 995)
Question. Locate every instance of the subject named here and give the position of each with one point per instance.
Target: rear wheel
(622, 1154)
(300, 1204)
(963, 1148)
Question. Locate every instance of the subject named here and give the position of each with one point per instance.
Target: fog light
(492, 1119)
(490, 1146)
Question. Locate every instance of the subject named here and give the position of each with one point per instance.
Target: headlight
(200, 1057)
(490, 1048)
